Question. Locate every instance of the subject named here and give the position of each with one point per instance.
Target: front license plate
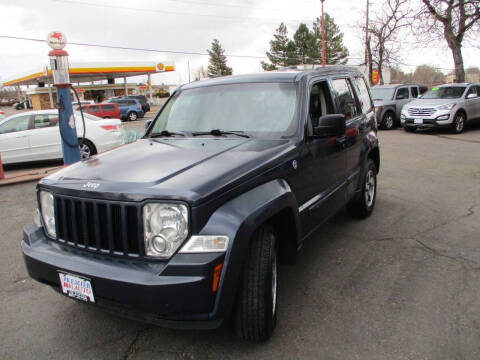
(418, 121)
(76, 286)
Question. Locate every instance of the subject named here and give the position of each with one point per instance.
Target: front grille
(98, 225)
(421, 111)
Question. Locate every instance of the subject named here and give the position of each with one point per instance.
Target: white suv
(445, 106)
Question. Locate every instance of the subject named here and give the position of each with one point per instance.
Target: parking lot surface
(403, 284)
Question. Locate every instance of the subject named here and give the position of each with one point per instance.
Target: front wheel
(388, 121)
(361, 206)
(132, 116)
(458, 123)
(256, 308)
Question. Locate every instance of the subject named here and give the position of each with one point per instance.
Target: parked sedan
(35, 135)
(447, 106)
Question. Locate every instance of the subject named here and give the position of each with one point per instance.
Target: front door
(402, 97)
(14, 146)
(44, 138)
(322, 164)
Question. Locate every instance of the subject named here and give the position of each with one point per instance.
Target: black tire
(361, 206)
(87, 149)
(256, 310)
(132, 116)
(409, 129)
(459, 122)
(388, 121)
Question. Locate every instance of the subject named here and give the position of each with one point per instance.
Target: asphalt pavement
(403, 284)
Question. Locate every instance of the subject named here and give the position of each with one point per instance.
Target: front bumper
(176, 294)
(438, 122)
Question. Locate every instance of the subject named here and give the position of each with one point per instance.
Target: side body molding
(238, 219)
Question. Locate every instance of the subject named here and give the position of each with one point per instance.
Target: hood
(190, 169)
(383, 102)
(430, 102)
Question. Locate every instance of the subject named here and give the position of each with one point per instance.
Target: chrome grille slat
(421, 111)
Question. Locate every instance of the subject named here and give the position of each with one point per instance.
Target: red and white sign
(56, 40)
(76, 287)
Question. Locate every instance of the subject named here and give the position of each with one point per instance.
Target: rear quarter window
(108, 107)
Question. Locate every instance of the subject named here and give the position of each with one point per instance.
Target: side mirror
(471, 96)
(330, 125)
(147, 124)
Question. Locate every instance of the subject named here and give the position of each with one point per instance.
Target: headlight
(205, 243)
(48, 212)
(165, 227)
(446, 107)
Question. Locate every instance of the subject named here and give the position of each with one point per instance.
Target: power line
(133, 48)
(180, 13)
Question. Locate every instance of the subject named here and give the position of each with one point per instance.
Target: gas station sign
(375, 77)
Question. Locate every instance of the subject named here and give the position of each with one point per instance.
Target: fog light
(443, 117)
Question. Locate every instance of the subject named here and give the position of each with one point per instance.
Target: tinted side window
(402, 93)
(94, 109)
(44, 120)
(345, 97)
(473, 90)
(108, 108)
(131, 102)
(414, 91)
(20, 123)
(364, 95)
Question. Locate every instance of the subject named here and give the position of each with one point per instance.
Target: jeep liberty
(187, 226)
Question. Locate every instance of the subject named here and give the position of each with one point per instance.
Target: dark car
(130, 109)
(187, 226)
(143, 100)
(390, 99)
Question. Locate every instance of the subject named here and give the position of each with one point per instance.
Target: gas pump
(61, 80)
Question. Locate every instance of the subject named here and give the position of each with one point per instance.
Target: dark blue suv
(130, 109)
(187, 226)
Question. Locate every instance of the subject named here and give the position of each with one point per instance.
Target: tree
(218, 61)
(428, 75)
(306, 45)
(384, 31)
(454, 19)
(335, 51)
(278, 54)
(200, 73)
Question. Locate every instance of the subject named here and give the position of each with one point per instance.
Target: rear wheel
(256, 308)
(388, 121)
(132, 116)
(361, 206)
(87, 149)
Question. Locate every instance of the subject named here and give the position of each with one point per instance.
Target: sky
(242, 27)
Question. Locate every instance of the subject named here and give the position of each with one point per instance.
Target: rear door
(44, 138)
(14, 145)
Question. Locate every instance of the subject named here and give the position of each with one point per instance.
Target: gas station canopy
(87, 72)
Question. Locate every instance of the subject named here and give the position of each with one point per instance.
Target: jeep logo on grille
(91, 185)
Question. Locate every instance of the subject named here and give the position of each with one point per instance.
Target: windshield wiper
(166, 133)
(218, 132)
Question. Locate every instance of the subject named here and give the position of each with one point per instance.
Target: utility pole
(368, 60)
(323, 35)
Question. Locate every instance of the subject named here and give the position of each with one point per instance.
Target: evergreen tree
(335, 51)
(282, 50)
(305, 44)
(218, 61)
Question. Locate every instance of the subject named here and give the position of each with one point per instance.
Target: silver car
(448, 106)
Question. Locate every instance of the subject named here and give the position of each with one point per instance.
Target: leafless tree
(385, 30)
(453, 21)
(200, 73)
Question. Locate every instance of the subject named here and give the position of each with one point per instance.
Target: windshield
(446, 92)
(264, 109)
(383, 93)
